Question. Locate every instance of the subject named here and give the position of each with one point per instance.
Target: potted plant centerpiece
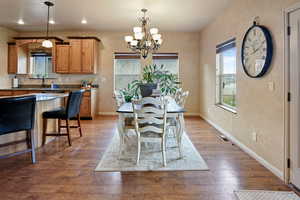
(153, 77)
(157, 77)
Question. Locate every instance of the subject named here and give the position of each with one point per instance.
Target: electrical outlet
(271, 86)
(254, 136)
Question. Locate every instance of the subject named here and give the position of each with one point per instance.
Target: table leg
(121, 124)
(180, 132)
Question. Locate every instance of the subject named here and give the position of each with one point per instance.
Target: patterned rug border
(267, 191)
(205, 168)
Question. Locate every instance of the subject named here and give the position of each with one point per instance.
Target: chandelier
(144, 41)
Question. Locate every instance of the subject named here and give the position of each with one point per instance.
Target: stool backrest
(17, 114)
(73, 104)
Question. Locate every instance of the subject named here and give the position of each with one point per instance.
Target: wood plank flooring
(67, 173)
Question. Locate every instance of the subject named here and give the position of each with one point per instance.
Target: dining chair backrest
(150, 115)
(182, 98)
(73, 103)
(178, 94)
(17, 114)
(119, 97)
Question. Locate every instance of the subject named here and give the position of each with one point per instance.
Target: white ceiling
(116, 15)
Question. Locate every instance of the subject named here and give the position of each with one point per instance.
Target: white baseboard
(192, 114)
(115, 113)
(108, 113)
(246, 149)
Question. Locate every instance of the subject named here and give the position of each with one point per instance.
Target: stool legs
(44, 131)
(79, 125)
(68, 132)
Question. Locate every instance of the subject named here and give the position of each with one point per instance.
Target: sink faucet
(43, 81)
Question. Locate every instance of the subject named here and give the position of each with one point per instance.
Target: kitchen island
(15, 142)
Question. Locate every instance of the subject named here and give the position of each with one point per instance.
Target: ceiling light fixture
(84, 21)
(144, 40)
(47, 43)
(21, 22)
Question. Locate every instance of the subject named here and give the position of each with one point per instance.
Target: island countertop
(42, 96)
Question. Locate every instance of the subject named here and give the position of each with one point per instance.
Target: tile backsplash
(59, 79)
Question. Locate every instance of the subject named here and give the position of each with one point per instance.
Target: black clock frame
(269, 55)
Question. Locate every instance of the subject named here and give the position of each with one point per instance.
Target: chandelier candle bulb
(138, 36)
(156, 36)
(134, 42)
(128, 38)
(153, 31)
(137, 29)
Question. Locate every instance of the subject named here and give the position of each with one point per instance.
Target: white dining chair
(150, 115)
(182, 98)
(119, 98)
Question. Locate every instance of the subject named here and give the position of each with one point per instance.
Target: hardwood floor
(67, 173)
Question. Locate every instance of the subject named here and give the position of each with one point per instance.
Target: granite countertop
(61, 88)
(42, 96)
(42, 89)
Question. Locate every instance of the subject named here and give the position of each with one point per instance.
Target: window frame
(124, 56)
(219, 100)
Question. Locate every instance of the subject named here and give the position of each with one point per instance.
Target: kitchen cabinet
(62, 58)
(84, 55)
(88, 106)
(12, 59)
(75, 57)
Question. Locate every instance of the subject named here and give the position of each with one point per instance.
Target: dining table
(175, 113)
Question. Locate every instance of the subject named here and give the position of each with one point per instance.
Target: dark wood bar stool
(70, 112)
(18, 114)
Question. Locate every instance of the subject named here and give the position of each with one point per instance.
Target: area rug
(151, 156)
(265, 195)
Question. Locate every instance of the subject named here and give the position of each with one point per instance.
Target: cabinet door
(85, 108)
(12, 67)
(20, 92)
(62, 58)
(88, 55)
(4, 93)
(75, 56)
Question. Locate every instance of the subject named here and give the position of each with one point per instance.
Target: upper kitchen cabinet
(12, 59)
(62, 58)
(84, 55)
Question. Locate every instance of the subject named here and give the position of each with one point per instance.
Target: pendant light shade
(47, 43)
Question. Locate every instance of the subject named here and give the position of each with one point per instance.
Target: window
(169, 60)
(226, 75)
(40, 65)
(127, 69)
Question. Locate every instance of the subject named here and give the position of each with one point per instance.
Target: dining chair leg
(32, 146)
(44, 131)
(163, 144)
(79, 125)
(28, 143)
(139, 150)
(59, 126)
(68, 132)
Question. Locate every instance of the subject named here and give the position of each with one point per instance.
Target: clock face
(255, 51)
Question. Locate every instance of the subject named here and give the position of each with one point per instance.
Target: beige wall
(186, 44)
(5, 36)
(258, 109)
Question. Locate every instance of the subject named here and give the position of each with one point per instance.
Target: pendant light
(47, 43)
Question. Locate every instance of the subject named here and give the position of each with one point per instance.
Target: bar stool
(18, 114)
(70, 112)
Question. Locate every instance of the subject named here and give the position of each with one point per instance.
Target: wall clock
(257, 51)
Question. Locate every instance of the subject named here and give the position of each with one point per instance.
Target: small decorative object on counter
(15, 82)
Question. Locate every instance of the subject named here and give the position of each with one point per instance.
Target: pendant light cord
(47, 36)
